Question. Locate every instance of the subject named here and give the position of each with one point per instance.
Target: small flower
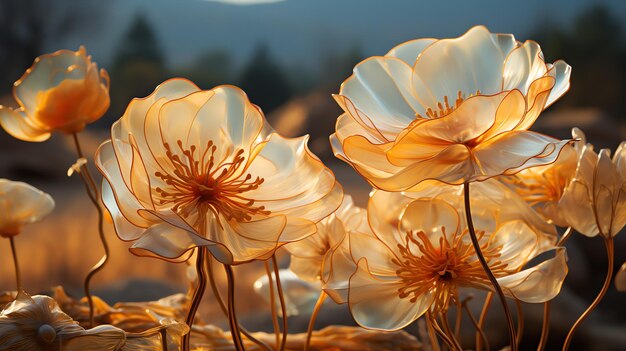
(595, 200)
(37, 323)
(21, 204)
(187, 168)
(62, 91)
(419, 261)
(311, 257)
(542, 187)
(453, 110)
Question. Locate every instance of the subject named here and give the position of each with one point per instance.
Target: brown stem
(431, 335)
(18, 278)
(459, 319)
(608, 242)
(446, 328)
(482, 319)
(220, 301)
(440, 332)
(520, 322)
(273, 304)
(232, 314)
(479, 329)
(485, 265)
(92, 192)
(545, 328)
(316, 310)
(283, 306)
(163, 333)
(197, 295)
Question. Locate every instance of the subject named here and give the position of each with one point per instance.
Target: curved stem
(283, 306)
(608, 242)
(479, 329)
(440, 332)
(197, 295)
(459, 319)
(545, 328)
(481, 320)
(446, 328)
(92, 192)
(431, 334)
(232, 314)
(18, 278)
(316, 310)
(520, 322)
(220, 301)
(273, 304)
(485, 265)
(163, 333)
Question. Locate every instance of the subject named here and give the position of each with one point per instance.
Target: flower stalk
(273, 304)
(92, 192)
(545, 329)
(283, 306)
(18, 279)
(316, 310)
(610, 253)
(483, 262)
(197, 295)
(232, 315)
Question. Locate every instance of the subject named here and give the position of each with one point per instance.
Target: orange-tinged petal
(620, 279)
(523, 65)
(374, 303)
(16, 123)
(434, 217)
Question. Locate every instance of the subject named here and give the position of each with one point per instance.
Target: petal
(173, 244)
(468, 64)
(540, 283)
(523, 65)
(606, 187)
(430, 216)
(377, 254)
(375, 304)
(410, 50)
(383, 214)
(16, 123)
(337, 268)
(620, 279)
(510, 152)
(561, 72)
(21, 203)
(381, 89)
(517, 241)
(102, 337)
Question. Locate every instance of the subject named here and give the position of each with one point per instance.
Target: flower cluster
(464, 195)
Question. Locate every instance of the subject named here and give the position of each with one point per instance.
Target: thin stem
(520, 322)
(440, 332)
(283, 306)
(446, 328)
(220, 301)
(459, 318)
(18, 278)
(163, 333)
(92, 192)
(482, 319)
(483, 262)
(232, 314)
(431, 334)
(316, 310)
(273, 304)
(197, 295)
(479, 329)
(608, 242)
(545, 328)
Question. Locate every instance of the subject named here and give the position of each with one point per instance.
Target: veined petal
(15, 122)
(409, 51)
(100, 338)
(509, 153)
(375, 304)
(378, 256)
(165, 241)
(561, 72)
(523, 65)
(540, 283)
(518, 243)
(434, 217)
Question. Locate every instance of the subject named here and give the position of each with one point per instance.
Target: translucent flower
(311, 257)
(454, 110)
(21, 204)
(187, 168)
(62, 91)
(595, 200)
(542, 187)
(37, 323)
(418, 261)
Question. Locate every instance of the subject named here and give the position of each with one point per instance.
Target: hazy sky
(303, 31)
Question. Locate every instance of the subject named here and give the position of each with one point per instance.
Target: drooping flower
(21, 204)
(187, 168)
(418, 261)
(453, 110)
(37, 323)
(542, 187)
(62, 91)
(595, 200)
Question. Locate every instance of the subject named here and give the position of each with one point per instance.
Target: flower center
(425, 267)
(201, 185)
(446, 108)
